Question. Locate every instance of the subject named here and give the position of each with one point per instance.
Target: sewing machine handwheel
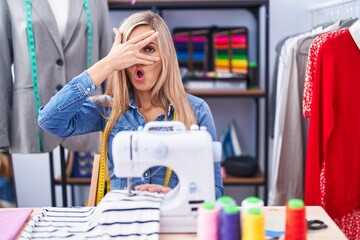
(159, 150)
(176, 125)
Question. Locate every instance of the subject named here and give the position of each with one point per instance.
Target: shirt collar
(132, 104)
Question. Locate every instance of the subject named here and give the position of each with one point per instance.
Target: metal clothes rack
(63, 179)
(335, 10)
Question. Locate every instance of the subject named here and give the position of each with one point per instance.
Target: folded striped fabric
(117, 216)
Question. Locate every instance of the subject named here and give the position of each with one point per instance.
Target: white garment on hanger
(355, 32)
(60, 9)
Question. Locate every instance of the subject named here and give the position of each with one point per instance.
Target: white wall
(287, 17)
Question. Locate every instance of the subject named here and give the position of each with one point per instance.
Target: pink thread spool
(207, 222)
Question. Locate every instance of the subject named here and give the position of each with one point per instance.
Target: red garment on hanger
(310, 68)
(334, 130)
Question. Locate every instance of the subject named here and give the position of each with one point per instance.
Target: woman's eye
(149, 49)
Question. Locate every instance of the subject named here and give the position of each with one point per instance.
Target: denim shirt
(70, 112)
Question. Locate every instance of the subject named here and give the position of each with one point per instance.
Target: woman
(144, 85)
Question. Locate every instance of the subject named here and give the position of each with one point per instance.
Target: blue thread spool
(229, 223)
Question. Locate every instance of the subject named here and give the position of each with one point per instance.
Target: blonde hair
(169, 87)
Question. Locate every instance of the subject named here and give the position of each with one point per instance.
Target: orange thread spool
(296, 226)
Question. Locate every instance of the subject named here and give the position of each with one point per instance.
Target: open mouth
(139, 73)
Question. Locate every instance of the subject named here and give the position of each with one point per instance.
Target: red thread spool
(296, 226)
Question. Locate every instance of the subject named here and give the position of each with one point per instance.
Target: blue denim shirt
(70, 113)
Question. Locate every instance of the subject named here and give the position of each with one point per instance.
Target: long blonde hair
(169, 87)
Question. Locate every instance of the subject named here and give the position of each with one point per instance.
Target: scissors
(316, 224)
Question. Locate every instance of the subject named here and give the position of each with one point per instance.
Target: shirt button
(60, 62)
(88, 89)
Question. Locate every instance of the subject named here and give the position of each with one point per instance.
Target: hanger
(348, 22)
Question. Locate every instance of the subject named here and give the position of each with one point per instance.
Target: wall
(287, 17)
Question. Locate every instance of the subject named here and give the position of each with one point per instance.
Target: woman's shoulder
(198, 103)
(194, 100)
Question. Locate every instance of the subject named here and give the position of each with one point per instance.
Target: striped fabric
(117, 216)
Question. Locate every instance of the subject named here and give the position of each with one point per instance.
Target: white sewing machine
(191, 155)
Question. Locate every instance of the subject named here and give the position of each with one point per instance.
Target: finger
(154, 189)
(165, 189)
(148, 40)
(147, 58)
(140, 188)
(141, 37)
(118, 36)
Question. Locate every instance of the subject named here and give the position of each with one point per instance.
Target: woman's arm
(70, 112)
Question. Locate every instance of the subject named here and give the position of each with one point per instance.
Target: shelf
(228, 93)
(232, 180)
(184, 1)
(74, 181)
(184, 4)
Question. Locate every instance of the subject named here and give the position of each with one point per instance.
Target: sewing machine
(191, 155)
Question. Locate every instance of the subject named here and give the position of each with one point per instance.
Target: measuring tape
(100, 193)
(169, 170)
(32, 56)
(89, 32)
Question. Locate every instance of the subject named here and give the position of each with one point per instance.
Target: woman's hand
(153, 188)
(123, 55)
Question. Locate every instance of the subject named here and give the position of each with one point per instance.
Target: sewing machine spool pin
(130, 193)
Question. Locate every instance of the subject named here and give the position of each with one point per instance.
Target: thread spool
(253, 224)
(223, 201)
(296, 226)
(207, 222)
(251, 202)
(229, 223)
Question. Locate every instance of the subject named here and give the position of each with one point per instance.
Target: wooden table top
(274, 220)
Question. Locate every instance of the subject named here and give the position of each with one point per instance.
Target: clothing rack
(335, 10)
(63, 178)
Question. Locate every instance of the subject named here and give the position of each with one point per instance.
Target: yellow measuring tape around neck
(102, 168)
(169, 170)
(100, 193)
